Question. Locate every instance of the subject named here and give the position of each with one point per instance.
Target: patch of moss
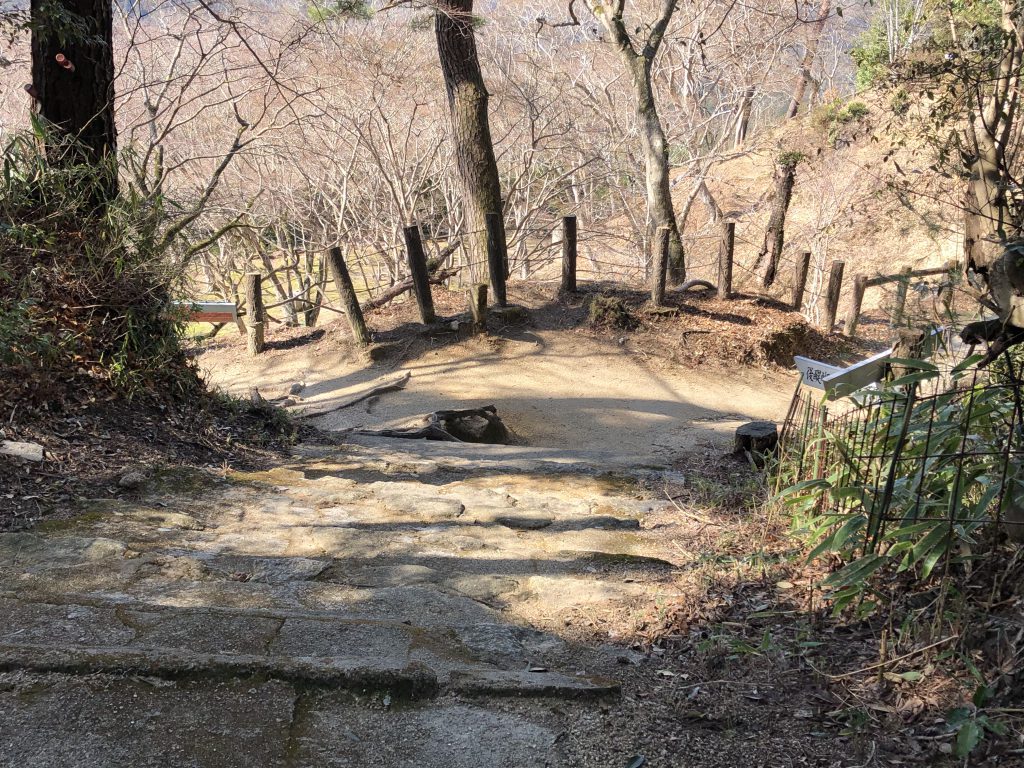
(94, 515)
(182, 480)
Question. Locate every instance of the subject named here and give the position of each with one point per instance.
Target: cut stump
(757, 437)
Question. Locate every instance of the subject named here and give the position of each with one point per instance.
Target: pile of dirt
(702, 330)
(612, 312)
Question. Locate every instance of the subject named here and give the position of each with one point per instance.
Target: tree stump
(757, 437)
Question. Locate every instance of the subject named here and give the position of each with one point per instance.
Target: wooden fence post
(901, 297)
(860, 284)
(835, 285)
(420, 277)
(343, 282)
(478, 307)
(725, 251)
(568, 255)
(658, 275)
(803, 266)
(497, 260)
(254, 315)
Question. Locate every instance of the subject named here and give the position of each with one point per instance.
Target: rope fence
(302, 285)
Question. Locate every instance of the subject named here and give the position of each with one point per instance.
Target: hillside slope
(846, 206)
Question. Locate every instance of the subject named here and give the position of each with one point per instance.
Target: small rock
(524, 522)
(132, 480)
(297, 387)
(24, 451)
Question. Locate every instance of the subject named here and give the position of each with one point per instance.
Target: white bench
(208, 311)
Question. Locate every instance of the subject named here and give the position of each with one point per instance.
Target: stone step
(421, 457)
(57, 721)
(121, 635)
(411, 682)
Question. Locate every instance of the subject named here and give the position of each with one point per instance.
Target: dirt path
(396, 602)
(554, 388)
(384, 603)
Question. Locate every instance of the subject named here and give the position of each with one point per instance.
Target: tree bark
(774, 236)
(810, 51)
(743, 117)
(471, 133)
(988, 219)
(655, 147)
(73, 84)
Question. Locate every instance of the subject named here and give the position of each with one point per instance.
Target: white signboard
(813, 372)
(841, 382)
(859, 375)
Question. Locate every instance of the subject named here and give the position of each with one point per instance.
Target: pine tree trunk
(73, 82)
(471, 133)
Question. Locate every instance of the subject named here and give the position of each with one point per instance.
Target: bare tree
(638, 53)
(803, 77)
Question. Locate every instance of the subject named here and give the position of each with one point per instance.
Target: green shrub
(831, 117)
(84, 287)
(855, 110)
(899, 102)
(791, 157)
(908, 489)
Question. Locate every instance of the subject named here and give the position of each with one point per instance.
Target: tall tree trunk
(810, 51)
(656, 163)
(774, 236)
(471, 133)
(743, 117)
(73, 82)
(989, 221)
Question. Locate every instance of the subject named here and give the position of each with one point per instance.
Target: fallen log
(429, 432)
(404, 286)
(378, 390)
(697, 283)
(468, 425)
(436, 277)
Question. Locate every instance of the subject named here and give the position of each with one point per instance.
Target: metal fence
(914, 466)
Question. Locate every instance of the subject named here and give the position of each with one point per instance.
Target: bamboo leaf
(967, 738)
(909, 362)
(856, 572)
